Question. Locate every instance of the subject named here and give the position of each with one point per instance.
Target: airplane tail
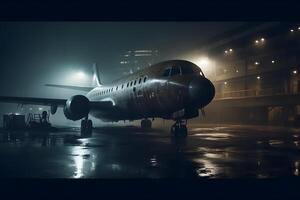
(96, 78)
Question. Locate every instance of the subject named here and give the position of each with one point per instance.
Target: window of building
(122, 86)
(145, 79)
(131, 83)
(127, 84)
(140, 80)
(134, 82)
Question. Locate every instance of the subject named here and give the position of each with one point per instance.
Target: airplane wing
(100, 105)
(87, 89)
(33, 101)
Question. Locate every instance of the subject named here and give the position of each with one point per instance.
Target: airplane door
(163, 91)
(137, 97)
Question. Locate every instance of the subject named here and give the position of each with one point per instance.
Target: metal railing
(251, 93)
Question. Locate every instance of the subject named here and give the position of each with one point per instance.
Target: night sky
(36, 53)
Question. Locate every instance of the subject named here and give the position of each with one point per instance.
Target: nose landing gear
(179, 128)
(146, 124)
(86, 127)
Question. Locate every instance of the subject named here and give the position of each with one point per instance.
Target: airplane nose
(201, 91)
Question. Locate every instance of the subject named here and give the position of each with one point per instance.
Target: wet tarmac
(128, 152)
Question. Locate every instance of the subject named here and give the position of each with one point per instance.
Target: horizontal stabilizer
(87, 89)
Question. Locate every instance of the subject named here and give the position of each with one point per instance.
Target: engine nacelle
(77, 107)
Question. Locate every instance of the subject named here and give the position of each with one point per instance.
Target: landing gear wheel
(146, 124)
(179, 129)
(86, 127)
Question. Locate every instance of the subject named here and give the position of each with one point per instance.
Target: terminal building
(256, 73)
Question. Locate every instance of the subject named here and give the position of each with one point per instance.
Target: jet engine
(77, 107)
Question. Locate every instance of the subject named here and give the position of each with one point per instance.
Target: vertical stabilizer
(96, 78)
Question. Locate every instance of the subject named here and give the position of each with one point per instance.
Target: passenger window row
(129, 84)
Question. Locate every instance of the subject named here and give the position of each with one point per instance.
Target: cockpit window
(175, 70)
(182, 69)
(189, 69)
(167, 72)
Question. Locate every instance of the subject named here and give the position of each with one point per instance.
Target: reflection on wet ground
(128, 152)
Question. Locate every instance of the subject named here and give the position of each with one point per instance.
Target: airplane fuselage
(157, 91)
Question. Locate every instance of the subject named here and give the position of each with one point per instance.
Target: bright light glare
(80, 75)
(203, 62)
(295, 72)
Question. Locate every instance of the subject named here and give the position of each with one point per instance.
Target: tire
(183, 131)
(148, 124)
(174, 130)
(83, 127)
(89, 127)
(143, 124)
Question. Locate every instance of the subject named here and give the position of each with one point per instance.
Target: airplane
(172, 90)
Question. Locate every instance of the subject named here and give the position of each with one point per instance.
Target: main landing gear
(179, 128)
(86, 127)
(146, 124)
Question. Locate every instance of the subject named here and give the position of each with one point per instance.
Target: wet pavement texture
(128, 152)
